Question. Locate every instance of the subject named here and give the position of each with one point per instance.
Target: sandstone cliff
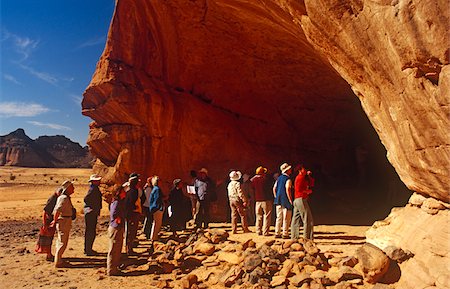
(395, 56)
(221, 84)
(233, 84)
(17, 149)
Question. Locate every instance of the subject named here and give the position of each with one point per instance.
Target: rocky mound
(209, 260)
(17, 149)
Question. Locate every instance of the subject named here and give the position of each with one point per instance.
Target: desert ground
(23, 194)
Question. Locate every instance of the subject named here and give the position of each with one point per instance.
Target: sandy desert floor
(23, 193)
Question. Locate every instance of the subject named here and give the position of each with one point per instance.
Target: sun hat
(235, 175)
(285, 167)
(65, 186)
(94, 177)
(261, 170)
(203, 170)
(133, 176)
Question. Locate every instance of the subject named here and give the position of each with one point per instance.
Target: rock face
(191, 84)
(17, 149)
(395, 56)
(425, 234)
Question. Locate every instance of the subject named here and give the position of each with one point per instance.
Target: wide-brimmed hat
(133, 176)
(285, 167)
(235, 175)
(94, 177)
(261, 170)
(203, 170)
(66, 185)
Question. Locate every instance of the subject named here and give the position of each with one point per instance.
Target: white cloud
(21, 109)
(41, 75)
(49, 125)
(92, 42)
(11, 78)
(23, 45)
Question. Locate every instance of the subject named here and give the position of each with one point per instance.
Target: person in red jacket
(303, 188)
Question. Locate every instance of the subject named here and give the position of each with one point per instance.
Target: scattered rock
(432, 206)
(296, 247)
(311, 248)
(232, 258)
(348, 261)
(188, 281)
(416, 200)
(267, 251)
(232, 276)
(343, 273)
(251, 262)
(204, 248)
(217, 236)
(397, 254)
(248, 244)
(277, 281)
(299, 279)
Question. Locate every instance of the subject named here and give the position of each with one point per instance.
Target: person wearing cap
(92, 207)
(263, 201)
(115, 232)
(238, 202)
(63, 214)
(283, 201)
(179, 207)
(131, 212)
(303, 184)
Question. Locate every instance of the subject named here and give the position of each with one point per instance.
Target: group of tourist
(187, 203)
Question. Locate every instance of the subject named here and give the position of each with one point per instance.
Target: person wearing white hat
(63, 214)
(92, 208)
(283, 201)
(238, 202)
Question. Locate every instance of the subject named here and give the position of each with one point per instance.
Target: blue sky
(48, 53)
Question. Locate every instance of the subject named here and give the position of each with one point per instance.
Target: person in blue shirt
(156, 209)
(282, 191)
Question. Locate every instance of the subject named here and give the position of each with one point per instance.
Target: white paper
(191, 190)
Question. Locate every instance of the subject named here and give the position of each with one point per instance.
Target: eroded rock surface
(221, 84)
(395, 55)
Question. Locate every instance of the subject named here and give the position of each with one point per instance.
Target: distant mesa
(17, 149)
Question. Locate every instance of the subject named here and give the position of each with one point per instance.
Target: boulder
(373, 262)
(300, 279)
(204, 248)
(231, 258)
(416, 199)
(251, 261)
(343, 273)
(424, 235)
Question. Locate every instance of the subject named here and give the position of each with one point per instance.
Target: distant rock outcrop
(17, 149)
